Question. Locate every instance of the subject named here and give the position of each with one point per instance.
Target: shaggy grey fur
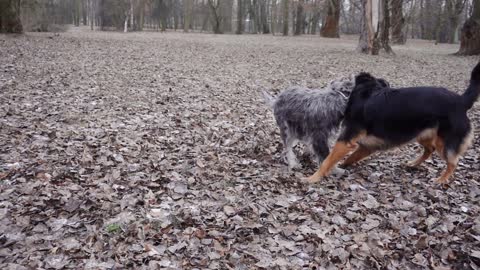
(311, 116)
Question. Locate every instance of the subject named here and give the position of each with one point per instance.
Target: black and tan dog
(378, 118)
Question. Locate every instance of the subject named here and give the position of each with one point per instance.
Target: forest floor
(155, 150)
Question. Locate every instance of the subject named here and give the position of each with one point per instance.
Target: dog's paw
(412, 164)
(311, 179)
(294, 166)
(338, 171)
(442, 182)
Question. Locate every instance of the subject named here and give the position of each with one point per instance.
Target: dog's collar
(343, 95)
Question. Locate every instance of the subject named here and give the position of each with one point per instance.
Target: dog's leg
(288, 143)
(451, 166)
(321, 151)
(361, 153)
(428, 149)
(290, 155)
(340, 150)
(453, 155)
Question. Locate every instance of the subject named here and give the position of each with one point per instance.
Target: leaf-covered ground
(156, 151)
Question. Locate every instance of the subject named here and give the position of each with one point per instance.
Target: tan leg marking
(428, 149)
(451, 166)
(452, 158)
(360, 154)
(340, 150)
(440, 147)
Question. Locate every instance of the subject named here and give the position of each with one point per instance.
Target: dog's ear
(363, 77)
(383, 82)
(365, 84)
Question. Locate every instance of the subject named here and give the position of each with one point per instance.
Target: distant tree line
(392, 21)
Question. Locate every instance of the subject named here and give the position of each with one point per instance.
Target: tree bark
(10, 17)
(285, 5)
(330, 27)
(454, 9)
(299, 19)
(263, 17)
(470, 37)
(226, 9)
(315, 19)
(240, 12)
(141, 15)
(273, 16)
(187, 14)
(375, 27)
(398, 22)
(384, 30)
(76, 12)
(84, 12)
(92, 13)
(217, 16)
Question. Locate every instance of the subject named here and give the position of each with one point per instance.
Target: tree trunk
(315, 20)
(253, 15)
(92, 14)
(141, 15)
(84, 12)
(470, 37)
(226, 9)
(217, 16)
(455, 8)
(330, 27)
(285, 17)
(384, 31)
(264, 17)
(299, 19)
(398, 22)
(240, 12)
(375, 27)
(77, 8)
(187, 14)
(273, 16)
(10, 17)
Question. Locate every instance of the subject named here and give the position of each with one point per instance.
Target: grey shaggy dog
(311, 116)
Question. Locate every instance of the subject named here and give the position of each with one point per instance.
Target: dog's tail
(269, 99)
(473, 91)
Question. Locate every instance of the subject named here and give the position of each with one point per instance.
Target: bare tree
(454, 9)
(217, 16)
(10, 17)
(285, 6)
(84, 12)
(226, 9)
(273, 16)
(299, 19)
(330, 25)
(187, 14)
(376, 24)
(92, 11)
(398, 22)
(315, 18)
(240, 16)
(264, 17)
(470, 37)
